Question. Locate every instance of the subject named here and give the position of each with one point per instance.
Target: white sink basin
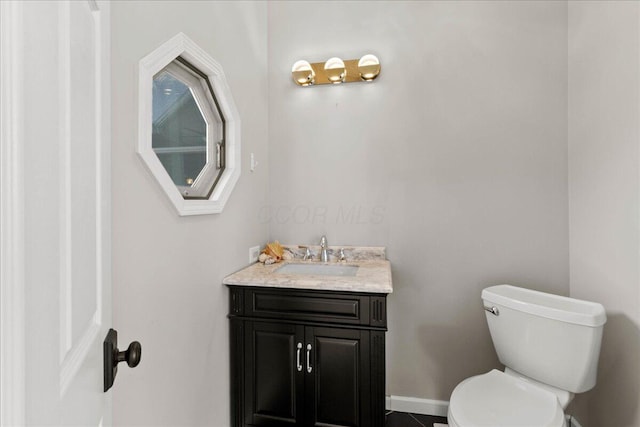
(319, 269)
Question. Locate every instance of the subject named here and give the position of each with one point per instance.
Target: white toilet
(550, 347)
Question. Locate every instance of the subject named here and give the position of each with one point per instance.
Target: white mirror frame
(150, 65)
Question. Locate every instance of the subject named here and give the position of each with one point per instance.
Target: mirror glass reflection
(188, 129)
(179, 129)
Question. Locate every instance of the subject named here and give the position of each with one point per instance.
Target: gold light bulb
(302, 73)
(368, 67)
(335, 70)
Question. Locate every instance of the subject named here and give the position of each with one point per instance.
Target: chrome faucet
(324, 255)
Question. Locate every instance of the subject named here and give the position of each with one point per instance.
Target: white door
(56, 63)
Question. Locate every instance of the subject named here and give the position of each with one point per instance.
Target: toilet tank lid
(542, 304)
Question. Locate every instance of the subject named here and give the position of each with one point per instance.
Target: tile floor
(402, 419)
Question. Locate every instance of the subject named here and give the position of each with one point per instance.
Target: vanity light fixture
(336, 71)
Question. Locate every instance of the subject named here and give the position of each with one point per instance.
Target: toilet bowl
(550, 347)
(496, 399)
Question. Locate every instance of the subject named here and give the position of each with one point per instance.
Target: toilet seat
(496, 399)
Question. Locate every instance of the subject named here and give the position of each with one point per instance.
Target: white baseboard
(415, 405)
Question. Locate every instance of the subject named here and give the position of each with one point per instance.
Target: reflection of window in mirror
(188, 129)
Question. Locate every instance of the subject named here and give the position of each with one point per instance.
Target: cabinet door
(274, 374)
(338, 386)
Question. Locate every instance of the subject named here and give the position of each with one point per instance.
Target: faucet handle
(307, 255)
(323, 242)
(341, 255)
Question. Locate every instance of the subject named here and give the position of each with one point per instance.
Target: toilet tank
(551, 339)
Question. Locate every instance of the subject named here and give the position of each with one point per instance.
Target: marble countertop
(373, 275)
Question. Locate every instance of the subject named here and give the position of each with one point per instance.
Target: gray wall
(168, 270)
(455, 159)
(604, 189)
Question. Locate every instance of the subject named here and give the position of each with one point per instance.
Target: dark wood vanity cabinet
(307, 358)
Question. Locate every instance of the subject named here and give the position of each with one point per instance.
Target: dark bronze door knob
(131, 355)
(113, 356)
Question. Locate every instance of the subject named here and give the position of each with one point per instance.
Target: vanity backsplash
(352, 253)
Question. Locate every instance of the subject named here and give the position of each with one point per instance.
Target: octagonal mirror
(189, 127)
